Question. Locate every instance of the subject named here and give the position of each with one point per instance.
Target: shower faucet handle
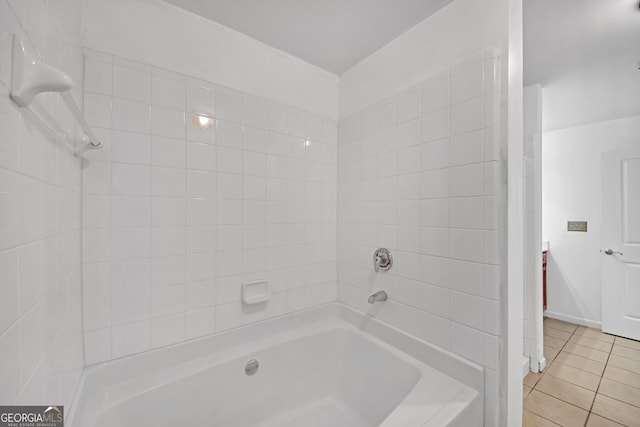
(382, 260)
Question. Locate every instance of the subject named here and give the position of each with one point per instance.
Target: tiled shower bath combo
(192, 234)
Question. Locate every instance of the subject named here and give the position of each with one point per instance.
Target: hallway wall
(571, 189)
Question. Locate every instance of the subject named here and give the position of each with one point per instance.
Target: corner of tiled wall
(418, 173)
(176, 217)
(40, 214)
(532, 345)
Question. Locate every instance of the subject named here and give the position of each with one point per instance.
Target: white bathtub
(329, 366)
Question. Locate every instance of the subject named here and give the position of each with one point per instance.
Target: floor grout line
(601, 375)
(540, 415)
(600, 382)
(562, 400)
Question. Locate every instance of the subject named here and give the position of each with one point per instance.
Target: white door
(621, 243)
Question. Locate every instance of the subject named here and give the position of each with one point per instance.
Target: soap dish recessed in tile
(255, 292)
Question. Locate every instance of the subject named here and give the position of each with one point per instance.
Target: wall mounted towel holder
(29, 77)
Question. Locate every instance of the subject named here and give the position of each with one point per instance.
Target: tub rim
(254, 336)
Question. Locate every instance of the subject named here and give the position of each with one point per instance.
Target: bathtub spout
(378, 296)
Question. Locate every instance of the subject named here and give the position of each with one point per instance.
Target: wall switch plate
(577, 226)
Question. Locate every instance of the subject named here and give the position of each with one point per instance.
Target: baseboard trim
(536, 365)
(542, 364)
(573, 319)
(525, 366)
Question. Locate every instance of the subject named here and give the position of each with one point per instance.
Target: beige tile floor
(592, 379)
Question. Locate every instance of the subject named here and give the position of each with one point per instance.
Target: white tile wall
(176, 217)
(418, 174)
(41, 355)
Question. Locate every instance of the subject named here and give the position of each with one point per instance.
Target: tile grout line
(554, 397)
(599, 383)
(606, 364)
(536, 414)
(561, 349)
(610, 397)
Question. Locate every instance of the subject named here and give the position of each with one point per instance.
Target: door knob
(611, 252)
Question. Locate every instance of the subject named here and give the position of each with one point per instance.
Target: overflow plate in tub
(251, 367)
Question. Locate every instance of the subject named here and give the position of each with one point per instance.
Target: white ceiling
(583, 53)
(567, 34)
(332, 34)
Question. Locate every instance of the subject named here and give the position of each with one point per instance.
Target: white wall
(418, 174)
(590, 102)
(270, 198)
(458, 31)
(175, 218)
(453, 34)
(41, 355)
(426, 209)
(163, 35)
(572, 191)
